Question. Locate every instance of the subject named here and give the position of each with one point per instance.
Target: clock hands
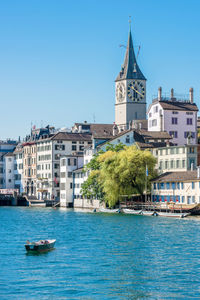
(136, 91)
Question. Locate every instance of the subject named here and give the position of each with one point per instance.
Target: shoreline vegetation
(120, 170)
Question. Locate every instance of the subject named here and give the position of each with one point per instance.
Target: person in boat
(27, 242)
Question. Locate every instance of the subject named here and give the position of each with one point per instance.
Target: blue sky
(59, 59)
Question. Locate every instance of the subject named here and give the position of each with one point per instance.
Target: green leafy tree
(92, 187)
(124, 173)
(119, 171)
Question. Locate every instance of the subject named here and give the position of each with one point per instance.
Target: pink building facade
(177, 117)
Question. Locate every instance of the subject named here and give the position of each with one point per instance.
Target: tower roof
(130, 68)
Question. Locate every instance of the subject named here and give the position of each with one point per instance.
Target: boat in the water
(108, 210)
(148, 213)
(132, 211)
(40, 246)
(173, 215)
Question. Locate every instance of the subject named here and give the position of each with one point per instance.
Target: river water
(98, 256)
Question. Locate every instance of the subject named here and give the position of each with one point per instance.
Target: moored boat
(40, 246)
(148, 213)
(132, 211)
(108, 210)
(173, 215)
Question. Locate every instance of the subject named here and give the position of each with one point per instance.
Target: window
(178, 164)
(57, 156)
(192, 185)
(56, 166)
(74, 161)
(155, 109)
(175, 112)
(154, 185)
(62, 186)
(167, 185)
(178, 185)
(182, 185)
(81, 148)
(183, 163)
(73, 147)
(189, 134)
(63, 162)
(183, 199)
(62, 174)
(173, 134)
(189, 121)
(171, 164)
(150, 115)
(74, 142)
(71, 185)
(69, 174)
(162, 186)
(127, 140)
(191, 150)
(175, 121)
(9, 180)
(154, 122)
(161, 165)
(193, 199)
(166, 164)
(69, 162)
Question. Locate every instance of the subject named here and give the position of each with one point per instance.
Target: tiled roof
(154, 134)
(177, 176)
(68, 136)
(130, 68)
(175, 105)
(9, 154)
(101, 130)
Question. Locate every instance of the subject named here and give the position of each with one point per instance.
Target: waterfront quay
(98, 256)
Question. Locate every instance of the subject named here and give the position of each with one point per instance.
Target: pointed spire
(130, 68)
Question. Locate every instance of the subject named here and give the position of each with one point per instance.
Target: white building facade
(18, 169)
(177, 187)
(175, 158)
(49, 152)
(68, 164)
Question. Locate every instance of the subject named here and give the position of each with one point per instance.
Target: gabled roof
(177, 176)
(175, 105)
(148, 135)
(69, 136)
(130, 68)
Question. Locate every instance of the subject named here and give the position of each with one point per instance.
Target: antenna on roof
(94, 118)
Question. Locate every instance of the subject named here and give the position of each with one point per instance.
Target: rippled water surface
(98, 256)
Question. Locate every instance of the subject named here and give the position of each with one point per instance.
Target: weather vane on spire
(129, 22)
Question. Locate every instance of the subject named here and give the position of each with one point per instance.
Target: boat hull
(107, 210)
(148, 213)
(173, 215)
(132, 211)
(38, 247)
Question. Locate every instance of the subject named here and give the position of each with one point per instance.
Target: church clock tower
(130, 87)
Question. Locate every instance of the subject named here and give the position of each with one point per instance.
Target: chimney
(172, 94)
(159, 93)
(115, 129)
(191, 95)
(198, 172)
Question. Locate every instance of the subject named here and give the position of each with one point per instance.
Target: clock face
(136, 91)
(120, 92)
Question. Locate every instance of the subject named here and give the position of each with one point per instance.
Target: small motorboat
(108, 210)
(173, 215)
(132, 211)
(40, 246)
(148, 213)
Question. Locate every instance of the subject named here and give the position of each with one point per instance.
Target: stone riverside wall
(86, 203)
